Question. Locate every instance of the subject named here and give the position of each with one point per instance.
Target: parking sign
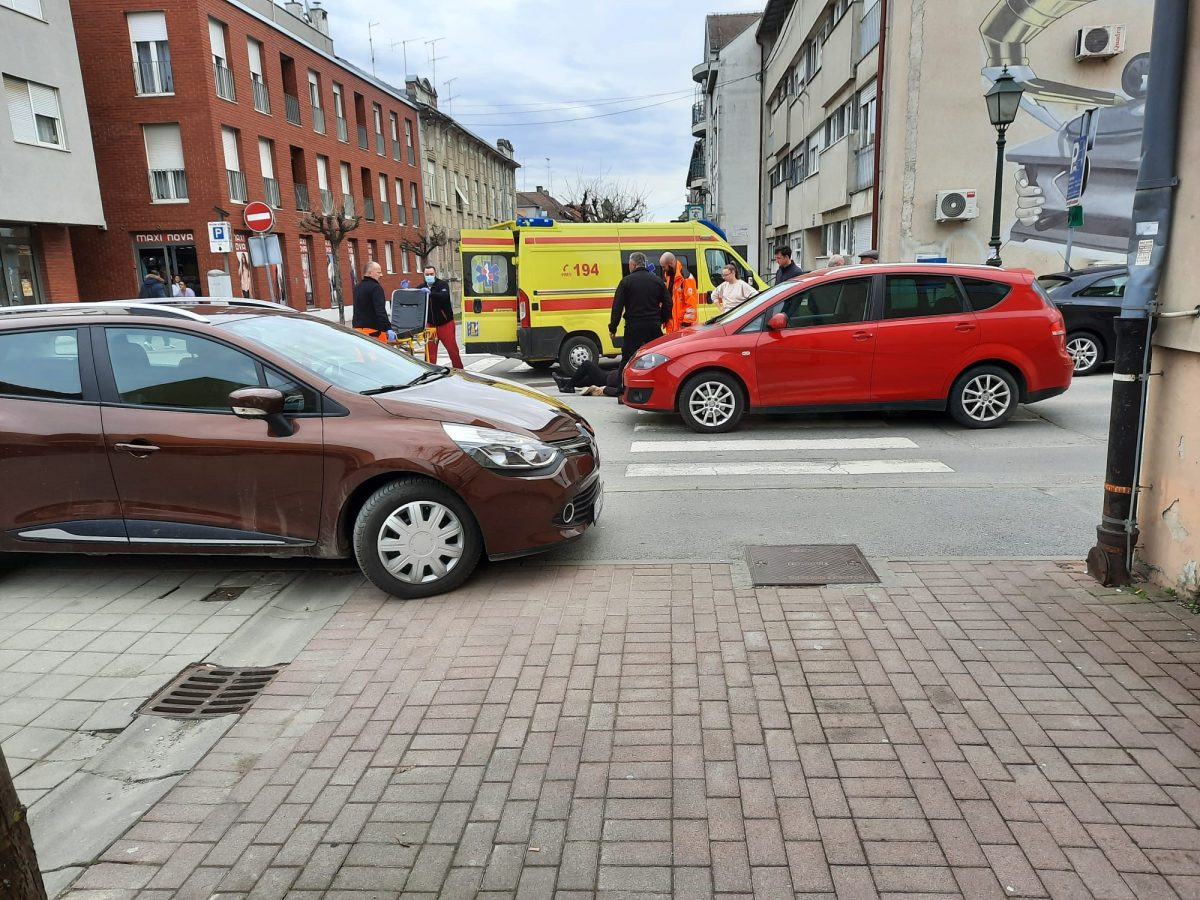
(220, 237)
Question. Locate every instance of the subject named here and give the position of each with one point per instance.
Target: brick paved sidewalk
(982, 730)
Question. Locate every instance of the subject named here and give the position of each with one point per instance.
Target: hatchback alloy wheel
(420, 542)
(712, 403)
(1085, 353)
(986, 398)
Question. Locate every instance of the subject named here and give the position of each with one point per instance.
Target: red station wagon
(976, 340)
(209, 426)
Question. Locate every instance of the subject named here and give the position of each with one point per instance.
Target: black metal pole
(998, 197)
(1110, 560)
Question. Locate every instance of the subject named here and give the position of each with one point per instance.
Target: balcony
(699, 119)
(262, 100)
(271, 190)
(380, 144)
(318, 120)
(868, 31)
(369, 209)
(697, 173)
(300, 191)
(292, 105)
(705, 74)
(348, 204)
(395, 150)
(385, 212)
(326, 202)
(153, 77)
(237, 185)
(862, 168)
(224, 80)
(167, 185)
(362, 137)
(342, 130)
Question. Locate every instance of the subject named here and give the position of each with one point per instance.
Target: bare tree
(333, 226)
(19, 875)
(422, 244)
(606, 200)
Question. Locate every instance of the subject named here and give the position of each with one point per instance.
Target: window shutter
(29, 7)
(264, 158)
(254, 52)
(229, 142)
(862, 234)
(45, 100)
(867, 93)
(216, 39)
(164, 146)
(147, 26)
(20, 110)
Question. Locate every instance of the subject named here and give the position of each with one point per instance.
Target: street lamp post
(1003, 99)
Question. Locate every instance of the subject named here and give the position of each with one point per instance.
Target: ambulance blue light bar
(716, 228)
(535, 222)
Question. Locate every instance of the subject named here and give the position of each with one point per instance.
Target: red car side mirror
(777, 322)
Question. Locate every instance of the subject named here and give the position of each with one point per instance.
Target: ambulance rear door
(489, 292)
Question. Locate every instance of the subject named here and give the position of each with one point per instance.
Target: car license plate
(599, 504)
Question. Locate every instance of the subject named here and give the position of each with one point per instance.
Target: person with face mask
(681, 284)
(441, 318)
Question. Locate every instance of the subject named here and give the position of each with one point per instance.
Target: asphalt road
(898, 485)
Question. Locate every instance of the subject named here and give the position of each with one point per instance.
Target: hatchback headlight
(648, 361)
(502, 450)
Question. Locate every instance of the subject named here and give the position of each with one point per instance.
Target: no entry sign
(259, 217)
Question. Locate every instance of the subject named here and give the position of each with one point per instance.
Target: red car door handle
(964, 326)
(137, 448)
(861, 335)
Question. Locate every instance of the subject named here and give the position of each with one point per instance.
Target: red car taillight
(523, 308)
(1058, 329)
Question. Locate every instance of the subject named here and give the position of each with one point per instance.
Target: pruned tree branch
(422, 244)
(606, 200)
(333, 226)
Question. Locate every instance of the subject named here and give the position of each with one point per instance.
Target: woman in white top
(732, 291)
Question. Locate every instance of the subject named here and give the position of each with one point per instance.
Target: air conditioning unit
(953, 206)
(1099, 42)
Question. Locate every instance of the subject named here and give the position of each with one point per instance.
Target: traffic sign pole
(260, 219)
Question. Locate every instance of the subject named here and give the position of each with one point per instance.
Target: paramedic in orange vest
(682, 287)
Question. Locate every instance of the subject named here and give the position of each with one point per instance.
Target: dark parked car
(208, 426)
(1089, 299)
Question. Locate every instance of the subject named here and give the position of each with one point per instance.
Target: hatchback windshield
(754, 302)
(344, 358)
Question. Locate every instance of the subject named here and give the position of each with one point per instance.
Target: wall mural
(1043, 163)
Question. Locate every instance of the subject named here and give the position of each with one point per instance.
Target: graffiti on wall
(1042, 164)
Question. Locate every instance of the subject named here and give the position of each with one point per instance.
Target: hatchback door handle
(964, 327)
(137, 448)
(861, 335)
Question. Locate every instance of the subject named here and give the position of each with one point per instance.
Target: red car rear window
(985, 294)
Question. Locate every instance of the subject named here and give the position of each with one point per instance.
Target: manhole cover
(204, 692)
(809, 564)
(223, 595)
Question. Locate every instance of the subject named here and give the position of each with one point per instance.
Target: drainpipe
(878, 164)
(1110, 561)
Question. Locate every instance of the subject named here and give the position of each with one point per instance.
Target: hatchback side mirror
(777, 322)
(262, 403)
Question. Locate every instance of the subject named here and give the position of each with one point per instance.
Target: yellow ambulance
(541, 291)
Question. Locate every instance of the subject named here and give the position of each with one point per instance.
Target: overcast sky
(539, 61)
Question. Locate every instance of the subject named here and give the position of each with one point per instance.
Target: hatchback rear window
(41, 364)
(985, 294)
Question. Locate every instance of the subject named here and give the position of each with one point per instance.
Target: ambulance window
(491, 273)
(717, 259)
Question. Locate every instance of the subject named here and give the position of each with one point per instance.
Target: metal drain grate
(223, 594)
(202, 691)
(809, 564)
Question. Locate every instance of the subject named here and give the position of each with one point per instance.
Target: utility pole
(1110, 561)
(371, 43)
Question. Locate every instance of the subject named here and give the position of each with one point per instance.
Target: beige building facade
(468, 182)
(902, 81)
(1169, 505)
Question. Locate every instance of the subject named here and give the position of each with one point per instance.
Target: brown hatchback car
(212, 426)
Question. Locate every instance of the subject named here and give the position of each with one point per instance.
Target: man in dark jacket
(787, 269)
(645, 303)
(441, 318)
(153, 285)
(370, 305)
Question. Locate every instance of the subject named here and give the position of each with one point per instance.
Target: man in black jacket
(370, 306)
(787, 269)
(644, 301)
(441, 317)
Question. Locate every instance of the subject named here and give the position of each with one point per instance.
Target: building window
(266, 160)
(262, 101)
(814, 153)
(314, 100)
(34, 112)
(29, 7)
(408, 142)
(347, 196)
(151, 53)
(339, 113)
(401, 209)
(445, 185)
(416, 208)
(430, 181)
(164, 159)
(233, 166)
(377, 118)
(394, 123)
(220, 61)
(389, 257)
(836, 238)
(323, 185)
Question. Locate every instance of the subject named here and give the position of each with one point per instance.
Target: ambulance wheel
(575, 351)
(540, 364)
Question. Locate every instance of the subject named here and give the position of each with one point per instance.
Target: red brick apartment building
(203, 104)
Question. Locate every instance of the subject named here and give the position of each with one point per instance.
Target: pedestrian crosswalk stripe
(811, 467)
(768, 444)
(771, 424)
(480, 364)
